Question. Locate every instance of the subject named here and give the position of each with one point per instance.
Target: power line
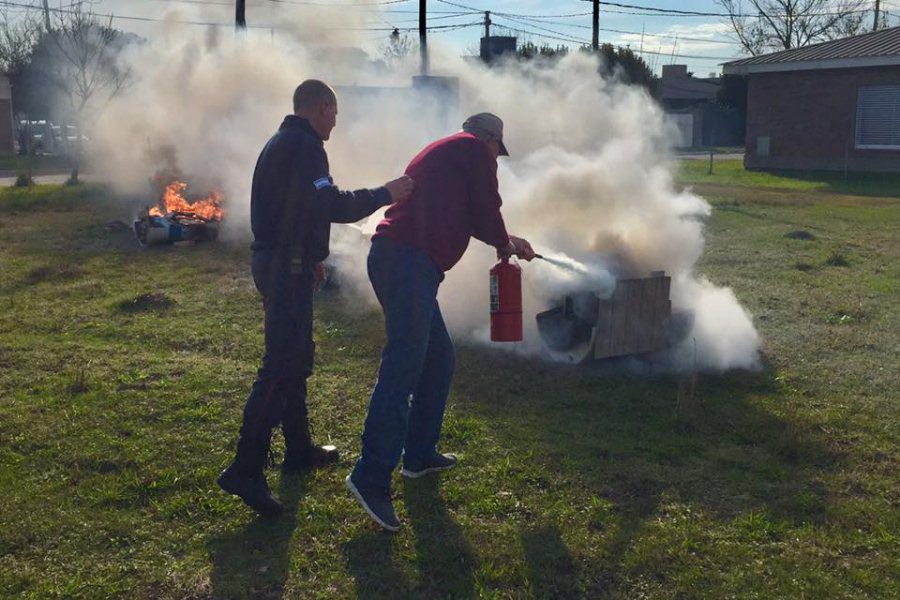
(673, 12)
(568, 15)
(621, 31)
(545, 36)
(649, 11)
(219, 24)
(562, 37)
(339, 5)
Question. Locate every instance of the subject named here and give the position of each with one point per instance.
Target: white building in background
(7, 131)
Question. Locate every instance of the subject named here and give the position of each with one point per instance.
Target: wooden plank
(664, 313)
(633, 318)
(619, 318)
(603, 337)
(647, 330)
(662, 293)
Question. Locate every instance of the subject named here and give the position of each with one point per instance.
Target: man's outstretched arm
(338, 206)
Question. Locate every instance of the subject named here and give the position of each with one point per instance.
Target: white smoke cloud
(590, 177)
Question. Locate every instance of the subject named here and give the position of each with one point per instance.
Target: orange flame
(173, 201)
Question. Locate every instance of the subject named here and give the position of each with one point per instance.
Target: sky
(701, 42)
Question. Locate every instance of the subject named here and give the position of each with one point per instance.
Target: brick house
(830, 106)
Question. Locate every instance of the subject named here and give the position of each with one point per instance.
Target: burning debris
(177, 219)
(636, 319)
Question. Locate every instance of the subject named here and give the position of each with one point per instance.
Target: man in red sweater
(421, 237)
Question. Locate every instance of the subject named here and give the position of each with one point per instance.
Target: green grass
(21, 164)
(730, 172)
(123, 372)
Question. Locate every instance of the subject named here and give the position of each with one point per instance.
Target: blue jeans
(406, 410)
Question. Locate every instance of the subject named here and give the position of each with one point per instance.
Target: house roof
(875, 49)
(688, 88)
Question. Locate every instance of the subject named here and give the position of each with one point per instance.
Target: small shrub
(802, 266)
(23, 180)
(837, 259)
(79, 381)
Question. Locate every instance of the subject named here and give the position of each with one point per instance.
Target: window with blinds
(878, 117)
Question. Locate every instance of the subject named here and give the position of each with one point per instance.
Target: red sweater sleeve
(485, 201)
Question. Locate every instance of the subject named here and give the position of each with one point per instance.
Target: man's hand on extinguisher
(518, 246)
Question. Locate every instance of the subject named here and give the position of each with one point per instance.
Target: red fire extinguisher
(506, 302)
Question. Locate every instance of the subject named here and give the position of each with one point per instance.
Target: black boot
(245, 478)
(300, 454)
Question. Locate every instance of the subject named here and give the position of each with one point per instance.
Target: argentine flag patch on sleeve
(323, 182)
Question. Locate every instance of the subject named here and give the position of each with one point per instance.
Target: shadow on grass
(854, 184)
(549, 566)
(637, 446)
(370, 560)
(444, 558)
(254, 561)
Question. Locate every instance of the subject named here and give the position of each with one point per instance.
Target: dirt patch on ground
(146, 303)
(54, 273)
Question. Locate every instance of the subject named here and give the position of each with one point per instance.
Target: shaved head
(311, 94)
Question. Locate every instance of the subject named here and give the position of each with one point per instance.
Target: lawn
(21, 164)
(123, 372)
(731, 172)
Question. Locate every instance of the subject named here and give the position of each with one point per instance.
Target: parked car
(45, 137)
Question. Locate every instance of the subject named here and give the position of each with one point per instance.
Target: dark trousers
(279, 392)
(406, 410)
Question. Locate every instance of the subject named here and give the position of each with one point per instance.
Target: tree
(530, 50)
(397, 48)
(623, 62)
(771, 25)
(18, 38)
(76, 60)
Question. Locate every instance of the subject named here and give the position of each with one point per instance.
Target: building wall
(809, 118)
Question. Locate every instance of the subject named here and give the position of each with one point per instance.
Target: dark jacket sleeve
(485, 201)
(339, 206)
(330, 205)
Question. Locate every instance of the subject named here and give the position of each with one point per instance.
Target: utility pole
(47, 15)
(877, 14)
(423, 30)
(595, 39)
(240, 18)
(487, 24)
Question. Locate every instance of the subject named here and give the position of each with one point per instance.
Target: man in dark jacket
(293, 203)
(421, 237)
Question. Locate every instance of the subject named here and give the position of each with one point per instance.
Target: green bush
(24, 180)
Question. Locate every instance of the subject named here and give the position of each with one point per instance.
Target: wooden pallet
(635, 318)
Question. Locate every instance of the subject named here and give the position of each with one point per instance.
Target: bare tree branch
(85, 71)
(17, 41)
(770, 25)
